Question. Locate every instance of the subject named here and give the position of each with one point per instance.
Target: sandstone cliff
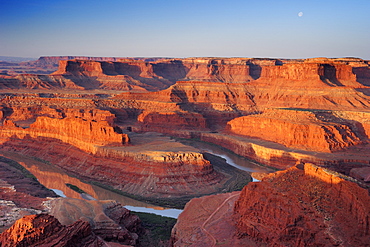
(326, 99)
(45, 230)
(304, 207)
(306, 130)
(108, 219)
(83, 133)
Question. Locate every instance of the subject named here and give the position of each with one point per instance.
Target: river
(56, 179)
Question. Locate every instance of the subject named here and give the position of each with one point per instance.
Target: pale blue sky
(177, 28)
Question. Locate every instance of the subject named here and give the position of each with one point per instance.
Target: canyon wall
(316, 131)
(82, 133)
(304, 207)
(152, 175)
(45, 230)
(156, 74)
(147, 168)
(324, 106)
(301, 206)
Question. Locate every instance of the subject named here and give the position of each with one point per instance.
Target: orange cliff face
(140, 75)
(83, 132)
(315, 131)
(143, 168)
(302, 206)
(240, 87)
(98, 133)
(45, 230)
(310, 206)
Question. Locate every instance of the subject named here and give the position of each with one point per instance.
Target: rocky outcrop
(45, 230)
(304, 206)
(136, 170)
(83, 134)
(208, 221)
(108, 219)
(314, 73)
(153, 74)
(20, 193)
(316, 131)
(81, 128)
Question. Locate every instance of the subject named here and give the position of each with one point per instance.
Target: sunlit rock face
(302, 206)
(43, 229)
(156, 74)
(317, 131)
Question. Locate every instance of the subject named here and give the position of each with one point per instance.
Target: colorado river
(231, 158)
(56, 179)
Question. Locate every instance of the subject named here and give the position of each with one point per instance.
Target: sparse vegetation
(158, 229)
(75, 188)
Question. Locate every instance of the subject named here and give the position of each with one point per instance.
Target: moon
(300, 14)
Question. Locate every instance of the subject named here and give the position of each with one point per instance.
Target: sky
(185, 28)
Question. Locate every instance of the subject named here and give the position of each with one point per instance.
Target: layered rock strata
(79, 132)
(108, 219)
(45, 230)
(333, 90)
(316, 131)
(302, 206)
(136, 74)
(149, 174)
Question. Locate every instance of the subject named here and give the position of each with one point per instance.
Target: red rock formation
(307, 207)
(108, 219)
(154, 121)
(133, 74)
(208, 221)
(297, 207)
(328, 84)
(313, 74)
(45, 230)
(74, 130)
(316, 131)
(82, 128)
(159, 174)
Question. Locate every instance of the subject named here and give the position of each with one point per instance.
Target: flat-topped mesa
(84, 129)
(20, 113)
(312, 74)
(314, 131)
(69, 129)
(154, 74)
(310, 207)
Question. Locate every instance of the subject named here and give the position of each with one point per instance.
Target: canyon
(122, 122)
